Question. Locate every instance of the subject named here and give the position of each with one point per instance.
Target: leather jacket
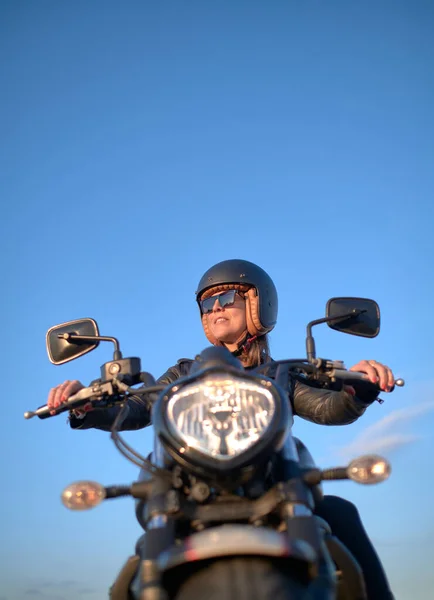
(318, 405)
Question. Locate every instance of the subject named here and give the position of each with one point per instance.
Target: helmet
(260, 293)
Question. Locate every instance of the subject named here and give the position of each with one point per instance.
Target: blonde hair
(256, 353)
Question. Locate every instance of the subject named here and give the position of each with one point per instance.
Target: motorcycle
(227, 497)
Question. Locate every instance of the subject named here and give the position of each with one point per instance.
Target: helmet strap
(245, 344)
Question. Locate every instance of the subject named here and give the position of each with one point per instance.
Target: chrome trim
(158, 454)
(295, 509)
(157, 522)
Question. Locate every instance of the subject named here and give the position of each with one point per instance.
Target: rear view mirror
(61, 350)
(365, 321)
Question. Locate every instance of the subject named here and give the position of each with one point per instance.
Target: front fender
(236, 540)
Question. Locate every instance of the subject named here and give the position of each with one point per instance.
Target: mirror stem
(90, 338)
(310, 342)
(310, 345)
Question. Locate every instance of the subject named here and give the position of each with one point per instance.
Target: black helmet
(260, 293)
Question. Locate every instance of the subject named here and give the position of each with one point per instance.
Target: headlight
(222, 421)
(221, 417)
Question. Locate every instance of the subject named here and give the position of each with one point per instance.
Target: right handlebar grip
(356, 376)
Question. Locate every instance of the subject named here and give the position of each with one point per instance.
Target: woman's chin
(222, 333)
(228, 341)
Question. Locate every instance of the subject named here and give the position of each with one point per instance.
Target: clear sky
(141, 142)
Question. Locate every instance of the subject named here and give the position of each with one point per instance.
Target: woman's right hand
(60, 394)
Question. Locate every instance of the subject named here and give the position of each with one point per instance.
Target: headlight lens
(221, 416)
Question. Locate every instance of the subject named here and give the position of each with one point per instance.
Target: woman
(238, 306)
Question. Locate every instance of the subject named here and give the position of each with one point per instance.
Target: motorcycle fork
(302, 525)
(159, 536)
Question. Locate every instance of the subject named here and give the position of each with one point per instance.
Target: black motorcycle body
(227, 498)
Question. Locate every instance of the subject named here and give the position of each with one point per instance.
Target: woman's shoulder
(182, 368)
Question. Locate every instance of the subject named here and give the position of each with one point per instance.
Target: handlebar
(74, 401)
(110, 389)
(349, 376)
(116, 387)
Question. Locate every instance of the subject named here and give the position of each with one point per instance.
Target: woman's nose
(216, 305)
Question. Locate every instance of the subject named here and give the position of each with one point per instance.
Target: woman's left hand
(377, 372)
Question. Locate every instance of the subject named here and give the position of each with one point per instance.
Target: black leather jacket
(321, 406)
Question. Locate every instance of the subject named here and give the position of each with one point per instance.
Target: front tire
(241, 579)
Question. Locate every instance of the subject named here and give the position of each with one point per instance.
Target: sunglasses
(225, 299)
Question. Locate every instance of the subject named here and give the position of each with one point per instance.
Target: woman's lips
(220, 320)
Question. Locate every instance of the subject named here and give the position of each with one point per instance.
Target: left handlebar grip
(43, 412)
(74, 401)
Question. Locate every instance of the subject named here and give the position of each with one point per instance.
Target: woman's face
(228, 323)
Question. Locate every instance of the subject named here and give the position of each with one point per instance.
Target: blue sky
(141, 143)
